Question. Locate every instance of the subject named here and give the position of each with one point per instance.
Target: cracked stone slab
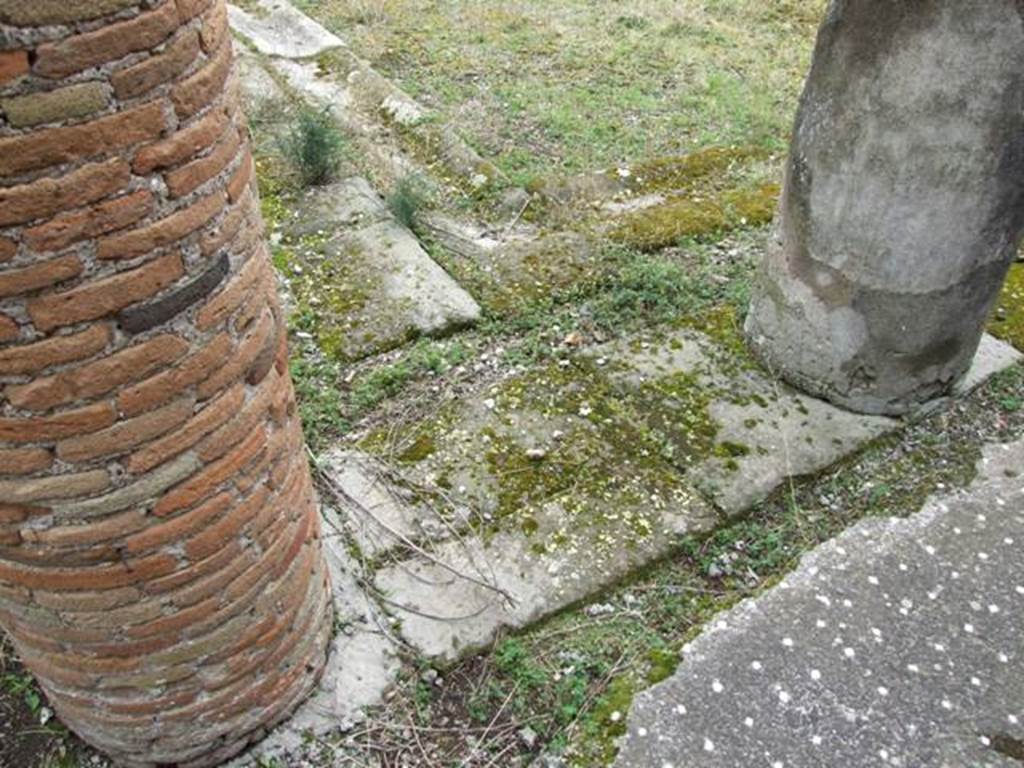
(765, 431)
(762, 431)
(568, 494)
(278, 29)
(444, 614)
(381, 513)
(895, 644)
(374, 285)
(362, 662)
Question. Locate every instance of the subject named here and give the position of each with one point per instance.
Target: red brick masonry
(160, 562)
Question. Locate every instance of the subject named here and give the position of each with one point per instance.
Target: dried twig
(344, 498)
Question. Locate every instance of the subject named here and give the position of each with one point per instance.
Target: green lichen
(558, 454)
(722, 324)
(1008, 322)
(604, 465)
(734, 450)
(273, 205)
(662, 664)
(607, 722)
(330, 291)
(549, 267)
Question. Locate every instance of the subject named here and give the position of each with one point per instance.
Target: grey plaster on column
(903, 203)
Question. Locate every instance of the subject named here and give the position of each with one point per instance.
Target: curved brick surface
(160, 563)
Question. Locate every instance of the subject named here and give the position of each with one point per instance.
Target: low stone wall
(160, 564)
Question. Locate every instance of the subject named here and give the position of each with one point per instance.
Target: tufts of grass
(651, 290)
(408, 198)
(314, 146)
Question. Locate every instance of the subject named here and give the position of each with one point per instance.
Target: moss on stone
(662, 664)
(330, 291)
(603, 456)
(557, 454)
(723, 325)
(1008, 322)
(671, 174)
(607, 723)
(676, 407)
(422, 447)
(694, 215)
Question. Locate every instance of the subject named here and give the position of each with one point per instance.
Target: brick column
(160, 564)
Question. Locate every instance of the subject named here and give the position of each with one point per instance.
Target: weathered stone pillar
(903, 202)
(160, 564)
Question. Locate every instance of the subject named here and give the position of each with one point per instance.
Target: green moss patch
(1008, 322)
(672, 174)
(691, 216)
(559, 436)
(331, 291)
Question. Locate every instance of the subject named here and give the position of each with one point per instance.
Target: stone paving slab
(762, 432)
(579, 472)
(568, 496)
(896, 644)
(765, 431)
(366, 278)
(379, 513)
(278, 29)
(445, 615)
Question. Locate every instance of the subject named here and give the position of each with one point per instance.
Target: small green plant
(426, 358)
(515, 661)
(314, 146)
(407, 199)
(24, 686)
(320, 402)
(647, 287)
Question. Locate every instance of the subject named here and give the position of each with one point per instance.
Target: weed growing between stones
(410, 196)
(314, 146)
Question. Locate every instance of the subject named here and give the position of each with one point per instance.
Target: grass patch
(576, 85)
(424, 359)
(313, 146)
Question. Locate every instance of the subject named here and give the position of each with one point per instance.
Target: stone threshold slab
(277, 28)
(546, 553)
(374, 286)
